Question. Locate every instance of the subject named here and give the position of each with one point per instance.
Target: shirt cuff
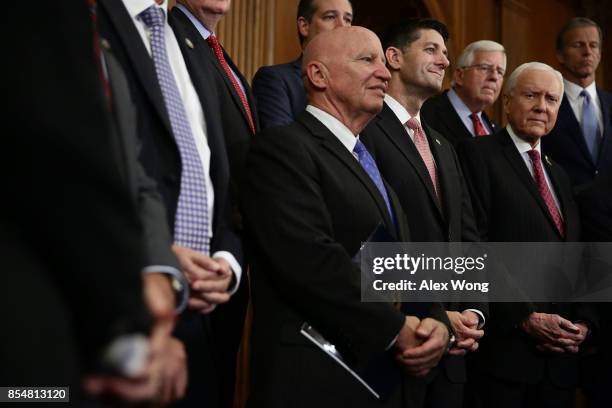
(178, 281)
(392, 342)
(481, 318)
(127, 355)
(235, 268)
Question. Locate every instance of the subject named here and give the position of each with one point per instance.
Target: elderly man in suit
(423, 168)
(198, 19)
(279, 89)
(184, 152)
(528, 356)
(581, 140)
(313, 195)
(459, 113)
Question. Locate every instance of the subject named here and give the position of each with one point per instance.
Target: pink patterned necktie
(538, 175)
(422, 146)
(216, 47)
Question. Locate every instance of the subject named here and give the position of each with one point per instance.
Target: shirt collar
(346, 137)
(135, 7)
(204, 32)
(573, 90)
(400, 112)
(462, 110)
(521, 145)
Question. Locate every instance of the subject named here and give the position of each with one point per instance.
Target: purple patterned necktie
(191, 221)
(369, 165)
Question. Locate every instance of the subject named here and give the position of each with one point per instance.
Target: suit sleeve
(291, 231)
(272, 95)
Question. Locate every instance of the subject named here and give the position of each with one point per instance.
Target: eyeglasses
(487, 69)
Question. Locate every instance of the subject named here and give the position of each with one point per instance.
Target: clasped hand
(421, 344)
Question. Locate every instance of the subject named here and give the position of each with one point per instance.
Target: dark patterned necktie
(479, 129)
(216, 47)
(538, 175)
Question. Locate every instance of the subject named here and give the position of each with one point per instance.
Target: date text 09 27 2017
(34, 394)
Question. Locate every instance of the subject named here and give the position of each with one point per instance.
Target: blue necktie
(369, 165)
(191, 220)
(590, 129)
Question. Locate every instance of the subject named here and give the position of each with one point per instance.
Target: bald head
(345, 75)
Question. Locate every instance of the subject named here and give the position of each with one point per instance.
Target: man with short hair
(279, 89)
(528, 356)
(580, 141)
(423, 168)
(459, 113)
(313, 194)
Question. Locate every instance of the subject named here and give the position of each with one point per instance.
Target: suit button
(596, 172)
(170, 180)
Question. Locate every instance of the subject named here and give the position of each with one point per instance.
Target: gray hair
(467, 55)
(509, 86)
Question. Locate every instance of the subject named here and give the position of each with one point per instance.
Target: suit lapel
(489, 123)
(570, 123)
(395, 131)
(452, 120)
(331, 143)
(518, 164)
(561, 194)
(443, 161)
(139, 57)
(606, 144)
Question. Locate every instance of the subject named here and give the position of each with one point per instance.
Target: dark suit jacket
(308, 207)
(440, 114)
(161, 160)
(402, 166)
(280, 93)
(233, 116)
(510, 208)
(70, 237)
(566, 144)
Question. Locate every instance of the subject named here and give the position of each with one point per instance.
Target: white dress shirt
(576, 101)
(464, 112)
(344, 134)
(191, 102)
(523, 147)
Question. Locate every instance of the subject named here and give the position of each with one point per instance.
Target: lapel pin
(438, 142)
(189, 43)
(105, 44)
(547, 160)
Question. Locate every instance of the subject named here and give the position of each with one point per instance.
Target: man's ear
(394, 58)
(506, 103)
(303, 26)
(317, 74)
(458, 76)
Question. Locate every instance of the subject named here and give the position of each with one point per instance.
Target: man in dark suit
(459, 113)
(528, 355)
(78, 254)
(581, 140)
(198, 19)
(181, 144)
(313, 194)
(279, 89)
(595, 205)
(434, 197)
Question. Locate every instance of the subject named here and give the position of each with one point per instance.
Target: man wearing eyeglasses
(459, 112)
(580, 141)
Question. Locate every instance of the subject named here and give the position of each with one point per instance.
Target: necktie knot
(479, 129)
(212, 41)
(534, 155)
(585, 95)
(413, 124)
(359, 148)
(153, 17)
